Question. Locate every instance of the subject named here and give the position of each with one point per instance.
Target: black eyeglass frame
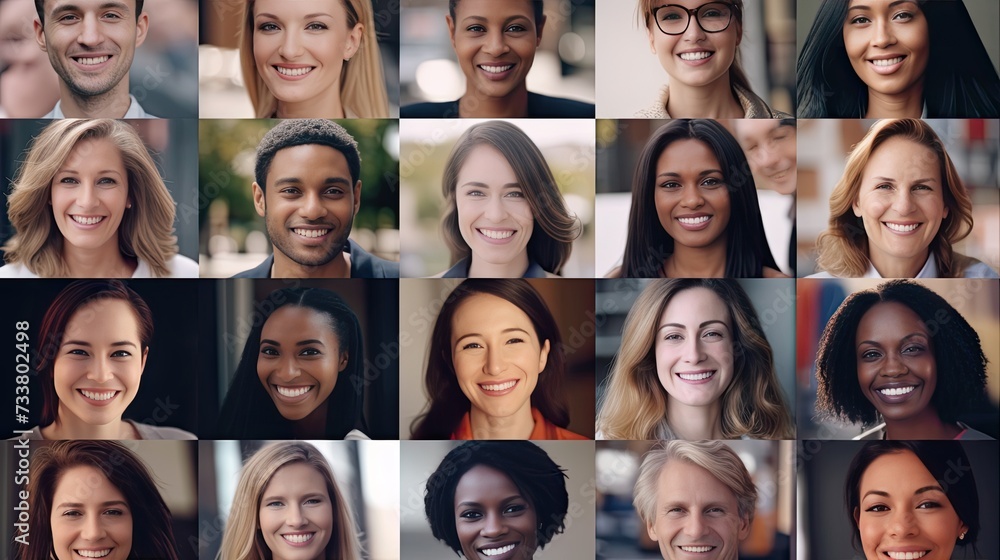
(693, 14)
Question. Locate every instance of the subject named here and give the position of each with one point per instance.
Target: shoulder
(615, 272)
(147, 431)
(821, 274)
(557, 107)
(878, 432)
(367, 265)
(439, 274)
(971, 434)
(658, 110)
(769, 272)
(263, 270)
(16, 270)
(182, 267)
(551, 275)
(973, 269)
(448, 109)
(356, 435)
(564, 434)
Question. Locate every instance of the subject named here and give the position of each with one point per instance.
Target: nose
(496, 43)
(695, 526)
(493, 525)
(101, 371)
(294, 517)
(495, 211)
(288, 369)
(692, 197)
(894, 365)
(692, 350)
(902, 523)
(883, 34)
(312, 207)
(291, 45)
(903, 203)
(767, 156)
(92, 529)
(495, 362)
(86, 196)
(90, 31)
(694, 32)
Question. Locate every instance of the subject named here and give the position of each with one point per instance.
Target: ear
(652, 532)
(142, 365)
(857, 515)
(353, 42)
(739, 33)
(744, 531)
(543, 356)
(40, 35)
(344, 356)
(141, 27)
(451, 29)
(856, 206)
(258, 199)
(357, 196)
(652, 45)
(541, 26)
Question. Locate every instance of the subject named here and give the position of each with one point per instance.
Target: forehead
(83, 484)
(299, 7)
(104, 314)
(295, 321)
(482, 312)
(758, 128)
(50, 6)
(308, 160)
(901, 157)
(484, 163)
(683, 482)
(296, 478)
(889, 317)
(897, 473)
(693, 305)
(482, 483)
(494, 9)
(688, 153)
(92, 153)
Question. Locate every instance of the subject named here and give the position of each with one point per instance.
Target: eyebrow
(921, 180)
(479, 185)
(904, 339)
(307, 16)
(102, 504)
(297, 181)
(892, 5)
(503, 501)
(299, 343)
(506, 21)
(88, 345)
(505, 331)
(75, 8)
(303, 497)
(702, 174)
(75, 172)
(921, 490)
(701, 326)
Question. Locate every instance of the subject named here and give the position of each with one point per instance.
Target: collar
(930, 269)
(753, 107)
(135, 111)
(461, 270)
(543, 428)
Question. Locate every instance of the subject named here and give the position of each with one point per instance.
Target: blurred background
(619, 144)
(630, 77)
(978, 300)
(233, 236)
(621, 535)
(366, 472)
(421, 458)
(230, 308)
(571, 303)
(172, 144)
(221, 91)
(425, 144)
(773, 299)
(164, 71)
(563, 66)
(972, 144)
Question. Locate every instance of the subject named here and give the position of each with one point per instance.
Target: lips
(696, 376)
(93, 553)
(900, 227)
(87, 220)
(495, 68)
(886, 64)
(292, 393)
(91, 60)
(298, 539)
(99, 397)
(896, 393)
(498, 388)
(906, 555)
(498, 551)
(293, 71)
(697, 549)
(694, 222)
(310, 233)
(497, 234)
(698, 55)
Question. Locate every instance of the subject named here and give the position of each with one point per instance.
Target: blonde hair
(362, 85)
(843, 247)
(243, 540)
(634, 403)
(146, 229)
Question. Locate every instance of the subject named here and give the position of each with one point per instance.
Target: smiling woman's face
(695, 58)
(888, 44)
(493, 518)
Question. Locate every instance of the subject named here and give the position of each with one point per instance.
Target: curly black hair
(297, 132)
(957, 353)
(538, 477)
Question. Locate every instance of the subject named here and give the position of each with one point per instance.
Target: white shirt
(977, 269)
(179, 267)
(135, 111)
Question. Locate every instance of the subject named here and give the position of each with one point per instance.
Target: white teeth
(98, 396)
(696, 548)
(493, 234)
(906, 555)
(499, 386)
(894, 392)
(293, 392)
(496, 69)
(87, 221)
(294, 71)
(91, 62)
(695, 55)
(888, 61)
(299, 538)
(498, 551)
(696, 376)
(311, 232)
(694, 221)
(94, 553)
(900, 227)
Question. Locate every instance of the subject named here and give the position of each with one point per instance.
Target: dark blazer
(539, 105)
(363, 265)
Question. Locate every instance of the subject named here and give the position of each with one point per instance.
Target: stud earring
(962, 536)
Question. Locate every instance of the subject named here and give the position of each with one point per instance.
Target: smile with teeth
(887, 61)
(98, 396)
(497, 551)
(696, 376)
(694, 221)
(902, 228)
(907, 555)
(496, 69)
(93, 553)
(700, 55)
(311, 232)
(87, 220)
(290, 392)
(294, 71)
(93, 61)
(896, 391)
(696, 548)
(298, 538)
(497, 234)
(498, 386)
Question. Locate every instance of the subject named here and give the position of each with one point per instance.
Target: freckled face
(888, 44)
(695, 58)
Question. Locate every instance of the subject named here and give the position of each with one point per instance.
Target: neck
(112, 104)
(327, 106)
(284, 267)
(516, 426)
(711, 101)
(513, 105)
(78, 429)
(694, 423)
(891, 267)
(909, 104)
(697, 262)
(103, 262)
(313, 426)
(516, 268)
(927, 425)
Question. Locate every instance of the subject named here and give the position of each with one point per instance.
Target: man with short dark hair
(91, 44)
(308, 189)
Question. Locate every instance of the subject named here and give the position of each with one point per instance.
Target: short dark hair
(958, 354)
(40, 8)
(537, 5)
(62, 309)
(297, 132)
(536, 475)
(945, 460)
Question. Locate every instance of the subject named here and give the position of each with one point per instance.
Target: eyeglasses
(713, 17)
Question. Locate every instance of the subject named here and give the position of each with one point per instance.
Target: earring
(962, 536)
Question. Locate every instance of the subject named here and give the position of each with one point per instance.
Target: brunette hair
(448, 404)
(843, 247)
(248, 412)
(152, 533)
(648, 244)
